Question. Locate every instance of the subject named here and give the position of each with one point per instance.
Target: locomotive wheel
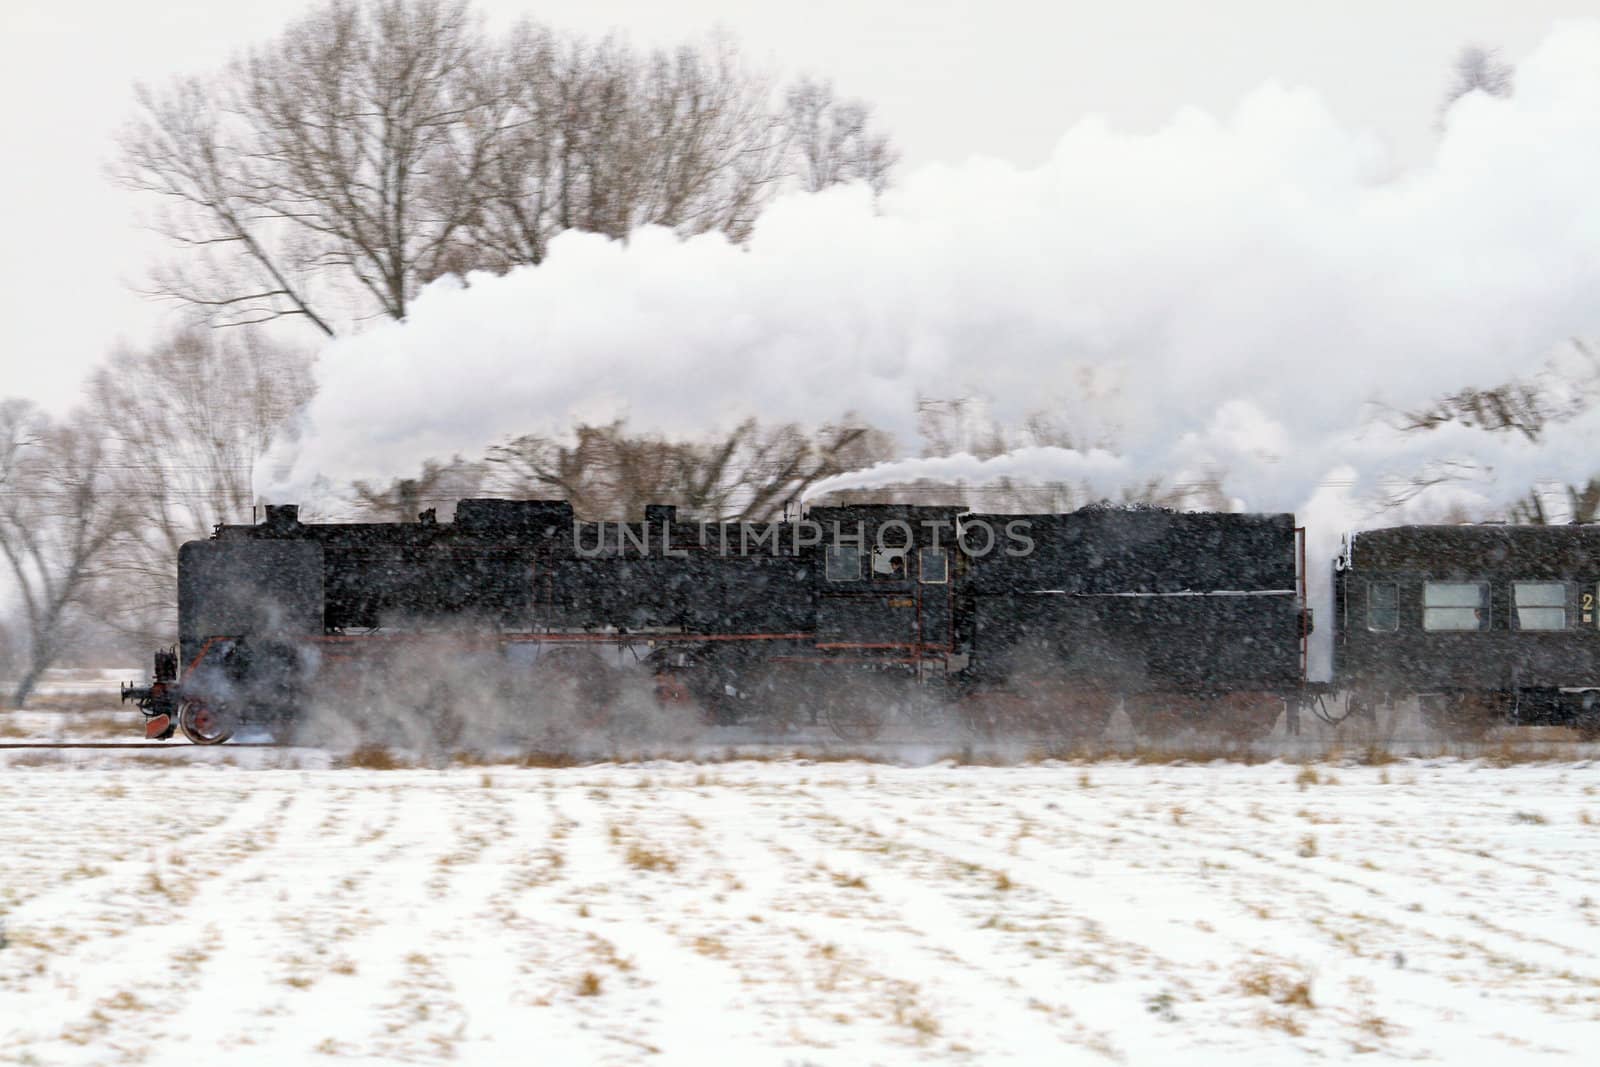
(856, 706)
(1461, 716)
(670, 690)
(854, 719)
(761, 696)
(717, 706)
(205, 724)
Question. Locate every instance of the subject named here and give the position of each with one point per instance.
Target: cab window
(1540, 605)
(1455, 606)
(1383, 607)
(889, 564)
(844, 563)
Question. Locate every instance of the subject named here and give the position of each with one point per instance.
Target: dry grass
(1293, 991)
(1376, 756)
(589, 985)
(710, 946)
(1281, 1020)
(909, 1013)
(83, 701)
(968, 756)
(37, 759)
(1297, 995)
(98, 726)
(549, 760)
(1194, 752)
(1510, 752)
(1022, 752)
(373, 758)
(643, 858)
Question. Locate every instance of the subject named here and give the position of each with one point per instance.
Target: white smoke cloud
(1255, 284)
(1100, 470)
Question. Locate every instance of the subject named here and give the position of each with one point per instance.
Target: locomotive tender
(1033, 623)
(1043, 623)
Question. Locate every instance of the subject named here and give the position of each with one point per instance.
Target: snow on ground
(263, 907)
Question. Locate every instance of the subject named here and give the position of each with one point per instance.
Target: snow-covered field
(263, 907)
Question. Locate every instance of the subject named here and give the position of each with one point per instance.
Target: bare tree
(189, 148)
(351, 148)
(603, 139)
(8, 649)
(1518, 407)
(1563, 389)
(60, 512)
(435, 490)
(190, 416)
(749, 474)
(378, 144)
(948, 425)
(830, 140)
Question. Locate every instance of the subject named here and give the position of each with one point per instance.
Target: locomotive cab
(884, 587)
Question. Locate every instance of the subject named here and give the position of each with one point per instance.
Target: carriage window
(844, 563)
(1455, 606)
(935, 566)
(1541, 605)
(1383, 607)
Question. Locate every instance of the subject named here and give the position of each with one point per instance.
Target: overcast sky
(950, 79)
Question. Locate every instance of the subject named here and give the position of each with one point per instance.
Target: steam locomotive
(850, 616)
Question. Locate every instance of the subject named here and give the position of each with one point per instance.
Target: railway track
(932, 749)
(140, 745)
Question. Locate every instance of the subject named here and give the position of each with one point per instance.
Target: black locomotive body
(1483, 624)
(1043, 621)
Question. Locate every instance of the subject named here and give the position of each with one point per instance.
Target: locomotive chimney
(283, 515)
